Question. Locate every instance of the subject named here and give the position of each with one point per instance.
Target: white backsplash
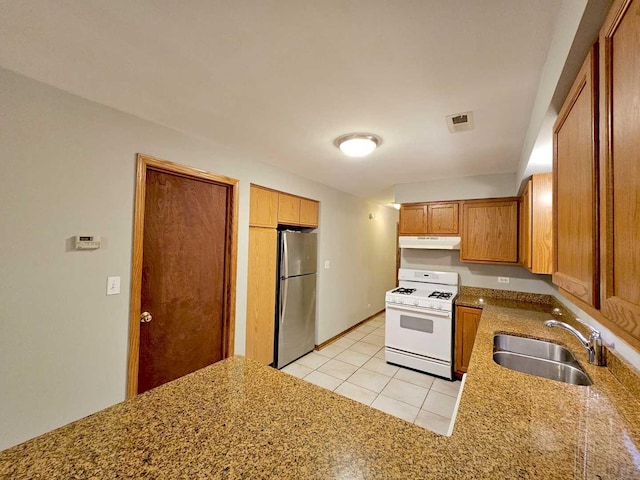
(477, 274)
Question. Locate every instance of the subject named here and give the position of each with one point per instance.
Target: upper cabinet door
(288, 209)
(620, 167)
(264, 207)
(308, 212)
(490, 231)
(541, 224)
(413, 219)
(442, 218)
(526, 228)
(575, 180)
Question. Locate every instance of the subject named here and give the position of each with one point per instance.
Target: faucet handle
(592, 331)
(597, 352)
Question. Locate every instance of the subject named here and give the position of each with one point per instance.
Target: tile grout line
(370, 370)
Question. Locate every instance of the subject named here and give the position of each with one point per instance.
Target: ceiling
(279, 80)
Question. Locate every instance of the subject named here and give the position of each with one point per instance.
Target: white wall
(477, 274)
(67, 167)
(462, 188)
(567, 23)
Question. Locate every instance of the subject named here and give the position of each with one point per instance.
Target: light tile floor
(354, 366)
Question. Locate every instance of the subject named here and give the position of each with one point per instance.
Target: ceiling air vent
(460, 122)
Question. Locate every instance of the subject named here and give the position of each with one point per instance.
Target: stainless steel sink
(533, 348)
(540, 358)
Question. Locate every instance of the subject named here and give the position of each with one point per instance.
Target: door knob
(145, 317)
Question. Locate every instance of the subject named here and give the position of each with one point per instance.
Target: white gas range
(419, 321)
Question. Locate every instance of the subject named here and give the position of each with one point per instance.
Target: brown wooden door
(183, 277)
(620, 127)
(575, 177)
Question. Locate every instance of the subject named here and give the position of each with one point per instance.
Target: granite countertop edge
(238, 418)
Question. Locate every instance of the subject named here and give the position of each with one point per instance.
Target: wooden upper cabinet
(536, 229)
(525, 225)
(620, 168)
(490, 231)
(288, 209)
(575, 177)
(263, 210)
(442, 218)
(413, 219)
(308, 212)
(438, 218)
(294, 210)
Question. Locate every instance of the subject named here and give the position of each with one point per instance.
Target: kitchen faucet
(593, 345)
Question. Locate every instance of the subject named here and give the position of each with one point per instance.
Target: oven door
(428, 333)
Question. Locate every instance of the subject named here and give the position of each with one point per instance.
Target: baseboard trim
(340, 335)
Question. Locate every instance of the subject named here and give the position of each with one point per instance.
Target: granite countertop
(239, 419)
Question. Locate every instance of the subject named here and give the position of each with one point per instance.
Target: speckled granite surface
(238, 419)
(479, 297)
(473, 296)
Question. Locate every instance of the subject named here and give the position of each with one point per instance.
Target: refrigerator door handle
(283, 300)
(285, 257)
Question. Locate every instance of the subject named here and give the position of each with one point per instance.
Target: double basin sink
(538, 357)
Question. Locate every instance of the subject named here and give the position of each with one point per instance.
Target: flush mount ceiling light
(358, 144)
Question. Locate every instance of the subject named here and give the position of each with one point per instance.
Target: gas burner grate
(441, 295)
(404, 291)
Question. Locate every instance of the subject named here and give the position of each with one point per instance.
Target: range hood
(434, 243)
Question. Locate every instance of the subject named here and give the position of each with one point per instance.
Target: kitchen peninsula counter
(240, 419)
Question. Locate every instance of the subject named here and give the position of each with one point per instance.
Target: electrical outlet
(327, 264)
(368, 305)
(503, 279)
(113, 285)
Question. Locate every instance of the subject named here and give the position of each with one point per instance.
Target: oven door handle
(418, 310)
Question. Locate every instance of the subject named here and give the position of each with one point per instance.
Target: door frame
(145, 163)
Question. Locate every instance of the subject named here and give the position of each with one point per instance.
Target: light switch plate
(113, 285)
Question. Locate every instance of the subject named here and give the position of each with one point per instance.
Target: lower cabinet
(261, 287)
(467, 320)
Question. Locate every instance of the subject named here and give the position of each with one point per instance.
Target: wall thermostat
(87, 242)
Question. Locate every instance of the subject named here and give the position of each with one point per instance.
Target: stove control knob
(439, 307)
(416, 303)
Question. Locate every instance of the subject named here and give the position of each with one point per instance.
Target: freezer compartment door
(299, 255)
(297, 320)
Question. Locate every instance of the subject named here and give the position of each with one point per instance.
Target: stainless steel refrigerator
(296, 312)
